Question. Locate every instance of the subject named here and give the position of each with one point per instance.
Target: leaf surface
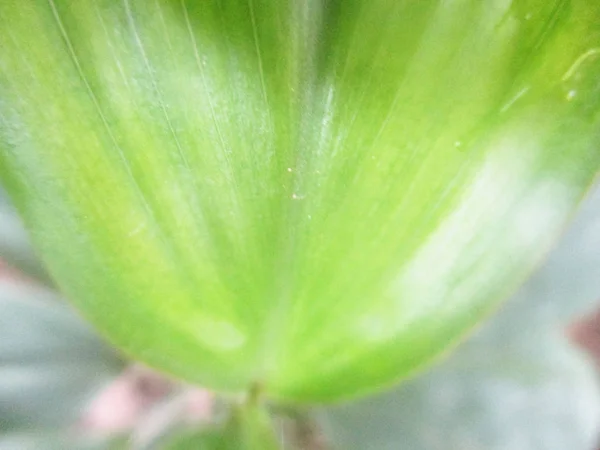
(317, 196)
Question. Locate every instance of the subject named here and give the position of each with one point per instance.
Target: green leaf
(517, 384)
(51, 363)
(250, 428)
(317, 197)
(202, 440)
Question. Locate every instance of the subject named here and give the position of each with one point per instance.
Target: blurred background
(526, 379)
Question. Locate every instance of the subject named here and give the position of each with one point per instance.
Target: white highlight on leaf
(495, 232)
(216, 334)
(137, 229)
(579, 61)
(514, 99)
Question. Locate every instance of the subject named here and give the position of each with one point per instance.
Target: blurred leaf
(50, 362)
(250, 428)
(15, 247)
(317, 197)
(516, 385)
(201, 440)
(210, 440)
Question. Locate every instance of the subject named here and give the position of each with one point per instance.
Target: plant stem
(252, 424)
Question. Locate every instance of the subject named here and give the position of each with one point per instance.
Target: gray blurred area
(51, 362)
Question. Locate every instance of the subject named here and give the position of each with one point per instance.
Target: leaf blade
(251, 190)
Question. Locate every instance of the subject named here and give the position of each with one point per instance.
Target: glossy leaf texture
(314, 197)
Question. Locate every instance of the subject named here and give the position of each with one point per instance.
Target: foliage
(310, 200)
